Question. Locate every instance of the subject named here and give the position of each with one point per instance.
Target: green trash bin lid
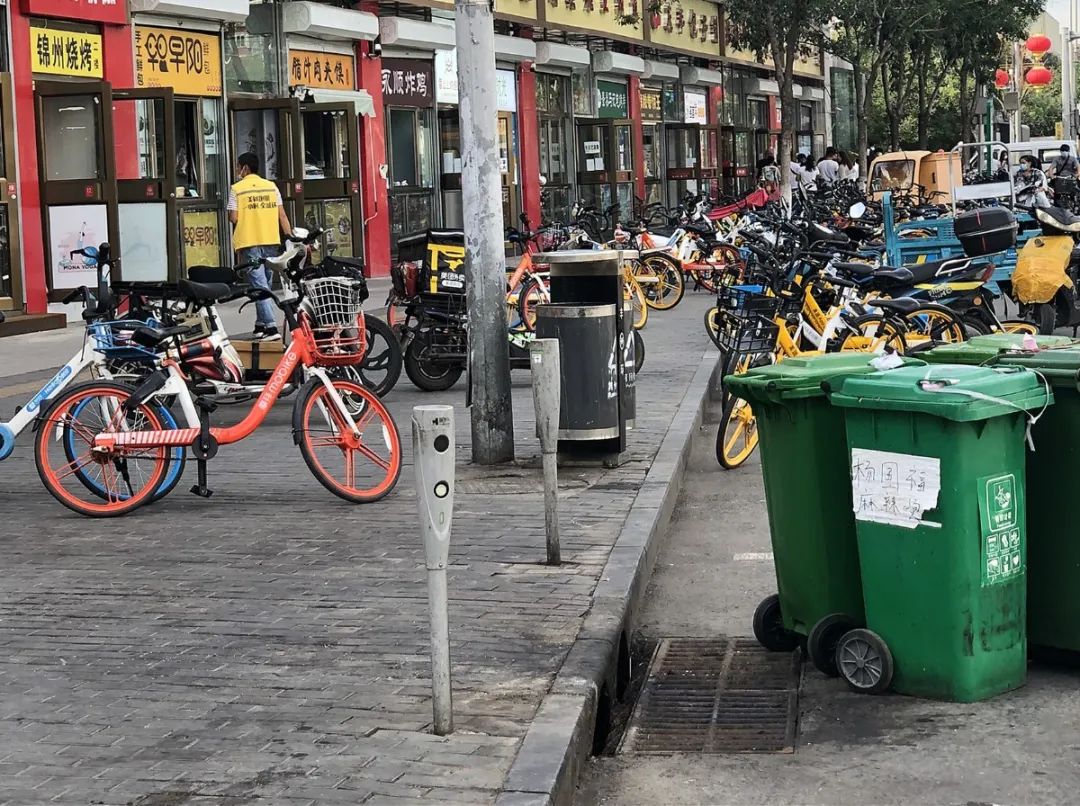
(798, 377)
(951, 391)
(982, 349)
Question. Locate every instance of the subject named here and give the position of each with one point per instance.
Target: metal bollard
(546, 395)
(433, 455)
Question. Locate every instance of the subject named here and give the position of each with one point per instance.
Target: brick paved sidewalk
(269, 645)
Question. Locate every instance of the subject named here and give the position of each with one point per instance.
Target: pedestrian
(1030, 182)
(828, 168)
(1001, 172)
(258, 217)
(769, 176)
(803, 174)
(1064, 164)
(763, 160)
(849, 168)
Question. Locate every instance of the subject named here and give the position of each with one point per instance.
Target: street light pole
(491, 411)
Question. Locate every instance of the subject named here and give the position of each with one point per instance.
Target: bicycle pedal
(202, 492)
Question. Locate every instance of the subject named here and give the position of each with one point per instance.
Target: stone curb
(559, 740)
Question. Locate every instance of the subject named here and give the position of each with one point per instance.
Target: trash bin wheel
(639, 352)
(823, 638)
(864, 661)
(769, 627)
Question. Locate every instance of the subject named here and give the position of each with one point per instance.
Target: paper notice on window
(894, 488)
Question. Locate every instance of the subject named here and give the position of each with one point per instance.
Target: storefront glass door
(410, 152)
(331, 187)
(10, 269)
(652, 145)
(78, 178)
(605, 160)
(683, 155)
(270, 129)
(146, 160)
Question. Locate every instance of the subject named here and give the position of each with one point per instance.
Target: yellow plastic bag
(1041, 268)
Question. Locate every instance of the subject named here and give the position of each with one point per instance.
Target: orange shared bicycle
(102, 448)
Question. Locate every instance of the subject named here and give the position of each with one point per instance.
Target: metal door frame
(323, 189)
(8, 198)
(78, 191)
(156, 189)
(291, 183)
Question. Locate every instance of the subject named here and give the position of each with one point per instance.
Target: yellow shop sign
(65, 53)
(188, 62)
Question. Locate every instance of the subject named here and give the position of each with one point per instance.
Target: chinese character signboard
(651, 106)
(202, 237)
(113, 12)
(65, 53)
(188, 62)
(325, 71)
(612, 100)
(407, 82)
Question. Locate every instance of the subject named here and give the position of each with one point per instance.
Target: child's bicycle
(103, 448)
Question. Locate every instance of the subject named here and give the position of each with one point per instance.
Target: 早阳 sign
(202, 237)
(113, 12)
(65, 53)
(328, 71)
(188, 62)
(407, 82)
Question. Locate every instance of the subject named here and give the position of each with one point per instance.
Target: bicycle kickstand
(205, 447)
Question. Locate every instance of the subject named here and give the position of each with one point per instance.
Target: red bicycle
(103, 448)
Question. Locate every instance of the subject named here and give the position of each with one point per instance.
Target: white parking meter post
(433, 456)
(546, 384)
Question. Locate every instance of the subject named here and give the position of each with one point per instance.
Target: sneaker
(269, 333)
(258, 330)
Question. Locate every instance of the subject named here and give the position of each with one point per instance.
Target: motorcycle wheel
(1046, 318)
(428, 376)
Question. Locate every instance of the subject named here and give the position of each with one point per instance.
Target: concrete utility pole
(491, 411)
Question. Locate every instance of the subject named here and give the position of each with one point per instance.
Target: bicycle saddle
(212, 274)
(153, 337)
(901, 305)
(856, 269)
(204, 293)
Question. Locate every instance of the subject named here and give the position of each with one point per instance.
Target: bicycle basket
(334, 301)
(113, 339)
(745, 334)
(746, 301)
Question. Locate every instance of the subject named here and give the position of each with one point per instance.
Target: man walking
(257, 213)
(828, 168)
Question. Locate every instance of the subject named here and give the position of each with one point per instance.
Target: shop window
(251, 61)
(139, 138)
(71, 125)
(759, 113)
(806, 117)
(6, 285)
(259, 131)
(672, 103)
(583, 94)
(624, 150)
(650, 138)
(450, 142)
(410, 148)
(551, 94)
(326, 144)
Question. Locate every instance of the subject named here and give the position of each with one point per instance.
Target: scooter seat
(204, 293)
(1058, 218)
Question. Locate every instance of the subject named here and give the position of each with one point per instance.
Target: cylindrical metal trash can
(585, 276)
(589, 360)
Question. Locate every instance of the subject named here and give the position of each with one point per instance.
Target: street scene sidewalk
(271, 644)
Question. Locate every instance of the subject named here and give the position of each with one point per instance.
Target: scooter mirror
(858, 210)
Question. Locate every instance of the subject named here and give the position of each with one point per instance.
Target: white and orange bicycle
(102, 448)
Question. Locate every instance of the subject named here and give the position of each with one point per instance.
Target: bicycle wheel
(737, 436)
(712, 326)
(360, 465)
(1020, 326)
(532, 294)
(935, 324)
(662, 280)
(872, 333)
(99, 483)
(633, 294)
(382, 362)
(177, 456)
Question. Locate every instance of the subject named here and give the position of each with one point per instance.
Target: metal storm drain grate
(725, 695)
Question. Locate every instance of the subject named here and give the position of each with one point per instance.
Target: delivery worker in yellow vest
(257, 213)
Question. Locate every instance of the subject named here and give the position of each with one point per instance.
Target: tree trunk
(923, 117)
(789, 115)
(965, 104)
(861, 134)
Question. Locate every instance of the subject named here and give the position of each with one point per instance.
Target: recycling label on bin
(1001, 522)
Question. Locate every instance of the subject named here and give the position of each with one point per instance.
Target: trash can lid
(951, 391)
(798, 377)
(982, 349)
(584, 262)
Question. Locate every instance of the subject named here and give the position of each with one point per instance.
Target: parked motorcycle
(1047, 268)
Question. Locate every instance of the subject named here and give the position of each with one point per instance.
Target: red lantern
(1038, 44)
(1038, 76)
(1001, 78)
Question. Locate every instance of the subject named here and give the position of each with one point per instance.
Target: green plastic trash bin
(937, 484)
(803, 457)
(1053, 570)
(988, 349)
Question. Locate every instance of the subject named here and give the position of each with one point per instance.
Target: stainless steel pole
(547, 390)
(491, 411)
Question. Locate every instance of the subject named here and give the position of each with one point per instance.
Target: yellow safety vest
(256, 213)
